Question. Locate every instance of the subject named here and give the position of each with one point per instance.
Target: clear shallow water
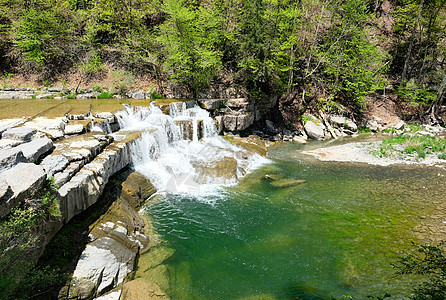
(337, 234)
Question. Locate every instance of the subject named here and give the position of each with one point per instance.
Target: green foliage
(105, 95)
(188, 37)
(4, 78)
(122, 80)
(429, 261)
(442, 155)
(97, 88)
(410, 144)
(18, 237)
(16, 240)
(42, 35)
(71, 96)
(364, 130)
(351, 62)
(94, 65)
(415, 127)
(409, 91)
(156, 96)
(305, 119)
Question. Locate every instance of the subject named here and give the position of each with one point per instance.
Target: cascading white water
(176, 164)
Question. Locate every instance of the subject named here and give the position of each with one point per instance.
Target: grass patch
(411, 144)
(105, 95)
(156, 96)
(364, 130)
(442, 155)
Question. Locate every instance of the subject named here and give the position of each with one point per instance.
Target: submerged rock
(142, 289)
(284, 183)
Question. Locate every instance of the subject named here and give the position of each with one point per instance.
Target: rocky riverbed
(370, 152)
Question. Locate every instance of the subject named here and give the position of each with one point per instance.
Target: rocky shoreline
(367, 152)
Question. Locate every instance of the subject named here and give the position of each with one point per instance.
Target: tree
(189, 37)
(351, 65)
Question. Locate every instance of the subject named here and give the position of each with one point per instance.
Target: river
(336, 235)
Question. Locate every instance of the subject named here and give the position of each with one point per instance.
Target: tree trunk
(438, 102)
(412, 38)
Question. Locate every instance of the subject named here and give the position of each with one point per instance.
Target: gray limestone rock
(54, 164)
(74, 129)
(230, 122)
(52, 127)
(400, 125)
(107, 115)
(210, 104)
(8, 143)
(44, 95)
(34, 149)
(314, 131)
(22, 134)
(104, 264)
(10, 157)
(25, 179)
(5, 190)
(237, 122)
(136, 94)
(342, 122)
(244, 121)
(372, 125)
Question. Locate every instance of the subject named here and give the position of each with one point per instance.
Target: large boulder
(210, 104)
(103, 264)
(342, 122)
(314, 131)
(238, 122)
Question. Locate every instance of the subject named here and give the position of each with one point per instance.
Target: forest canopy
(340, 50)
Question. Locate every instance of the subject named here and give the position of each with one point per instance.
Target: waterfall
(182, 152)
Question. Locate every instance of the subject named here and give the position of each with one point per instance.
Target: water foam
(177, 164)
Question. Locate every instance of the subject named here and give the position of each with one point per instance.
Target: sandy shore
(361, 153)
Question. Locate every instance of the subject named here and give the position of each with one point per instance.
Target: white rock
(400, 125)
(111, 296)
(103, 264)
(54, 163)
(314, 131)
(299, 139)
(210, 104)
(34, 149)
(74, 129)
(7, 143)
(22, 134)
(25, 179)
(10, 157)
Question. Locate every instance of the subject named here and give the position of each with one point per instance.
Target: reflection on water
(336, 234)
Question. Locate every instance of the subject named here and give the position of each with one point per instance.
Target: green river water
(335, 235)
